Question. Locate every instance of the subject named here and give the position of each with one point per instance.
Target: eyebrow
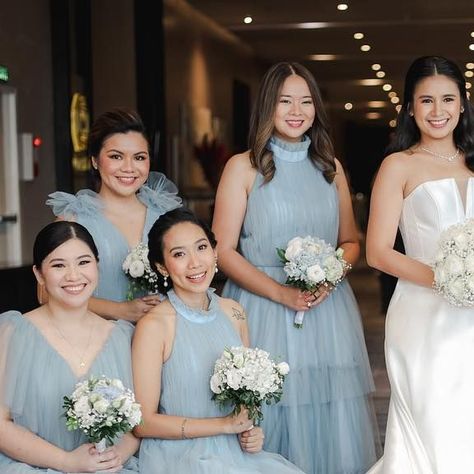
(87, 255)
(427, 96)
(203, 239)
(113, 150)
(302, 97)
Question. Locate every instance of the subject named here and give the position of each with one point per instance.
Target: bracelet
(183, 436)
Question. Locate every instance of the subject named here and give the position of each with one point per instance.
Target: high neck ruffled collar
(289, 151)
(192, 314)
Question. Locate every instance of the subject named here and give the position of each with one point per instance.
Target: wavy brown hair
(262, 120)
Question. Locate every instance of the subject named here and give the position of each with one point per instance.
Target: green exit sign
(3, 73)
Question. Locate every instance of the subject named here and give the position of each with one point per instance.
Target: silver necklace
(439, 155)
(81, 356)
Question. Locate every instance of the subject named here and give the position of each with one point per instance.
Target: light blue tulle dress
(36, 378)
(158, 195)
(324, 423)
(200, 339)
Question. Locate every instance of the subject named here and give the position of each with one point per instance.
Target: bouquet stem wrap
(101, 445)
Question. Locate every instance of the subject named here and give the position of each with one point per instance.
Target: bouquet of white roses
(248, 377)
(454, 264)
(311, 263)
(138, 269)
(102, 408)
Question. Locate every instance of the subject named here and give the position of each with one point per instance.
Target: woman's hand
(294, 298)
(238, 423)
(135, 309)
(251, 440)
(85, 458)
(313, 298)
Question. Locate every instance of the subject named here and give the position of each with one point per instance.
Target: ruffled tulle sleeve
(85, 202)
(160, 193)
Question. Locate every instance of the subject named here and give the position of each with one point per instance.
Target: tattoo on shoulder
(238, 314)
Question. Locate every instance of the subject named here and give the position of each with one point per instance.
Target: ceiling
(397, 32)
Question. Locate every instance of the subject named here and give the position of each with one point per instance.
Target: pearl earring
(165, 281)
(215, 267)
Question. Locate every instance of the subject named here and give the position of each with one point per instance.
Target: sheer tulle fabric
(200, 339)
(429, 349)
(325, 422)
(159, 196)
(35, 378)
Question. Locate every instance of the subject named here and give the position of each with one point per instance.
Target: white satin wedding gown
(429, 349)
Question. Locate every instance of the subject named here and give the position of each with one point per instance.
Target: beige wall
(25, 48)
(201, 61)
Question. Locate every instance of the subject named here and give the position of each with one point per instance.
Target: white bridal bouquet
(248, 377)
(311, 263)
(137, 268)
(102, 408)
(454, 264)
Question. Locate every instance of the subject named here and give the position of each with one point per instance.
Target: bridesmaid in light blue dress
(290, 185)
(45, 352)
(120, 215)
(174, 351)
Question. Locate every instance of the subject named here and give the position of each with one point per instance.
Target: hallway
(366, 288)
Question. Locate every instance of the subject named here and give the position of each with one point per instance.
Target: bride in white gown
(425, 186)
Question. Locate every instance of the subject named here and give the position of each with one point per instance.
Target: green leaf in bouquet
(281, 255)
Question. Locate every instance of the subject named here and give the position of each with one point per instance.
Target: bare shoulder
(159, 318)
(238, 173)
(233, 309)
(240, 162)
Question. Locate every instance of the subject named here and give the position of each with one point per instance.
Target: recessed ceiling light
(342, 6)
(376, 67)
(468, 85)
(373, 115)
(365, 47)
(369, 82)
(387, 87)
(380, 74)
(395, 100)
(471, 46)
(358, 36)
(248, 20)
(322, 57)
(469, 65)
(348, 106)
(376, 104)
(398, 107)
(392, 123)
(392, 94)
(472, 34)
(469, 73)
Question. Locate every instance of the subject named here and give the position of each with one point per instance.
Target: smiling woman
(48, 350)
(120, 215)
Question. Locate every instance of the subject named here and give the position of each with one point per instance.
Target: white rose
(461, 240)
(234, 379)
(334, 269)
(454, 265)
(117, 383)
(101, 405)
(469, 263)
(294, 248)
(283, 368)
(136, 269)
(216, 384)
(315, 274)
(239, 360)
(440, 275)
(456, 288)
(470, 283)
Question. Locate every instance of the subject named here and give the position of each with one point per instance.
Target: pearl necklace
(449, 158)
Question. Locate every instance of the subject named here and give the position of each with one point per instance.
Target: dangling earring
(165, 281)
(462, 109)
(215, 268)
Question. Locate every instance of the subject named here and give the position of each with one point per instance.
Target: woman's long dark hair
(407, 133)
(262, 121)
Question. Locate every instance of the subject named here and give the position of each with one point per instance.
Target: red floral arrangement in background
(212, 155)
